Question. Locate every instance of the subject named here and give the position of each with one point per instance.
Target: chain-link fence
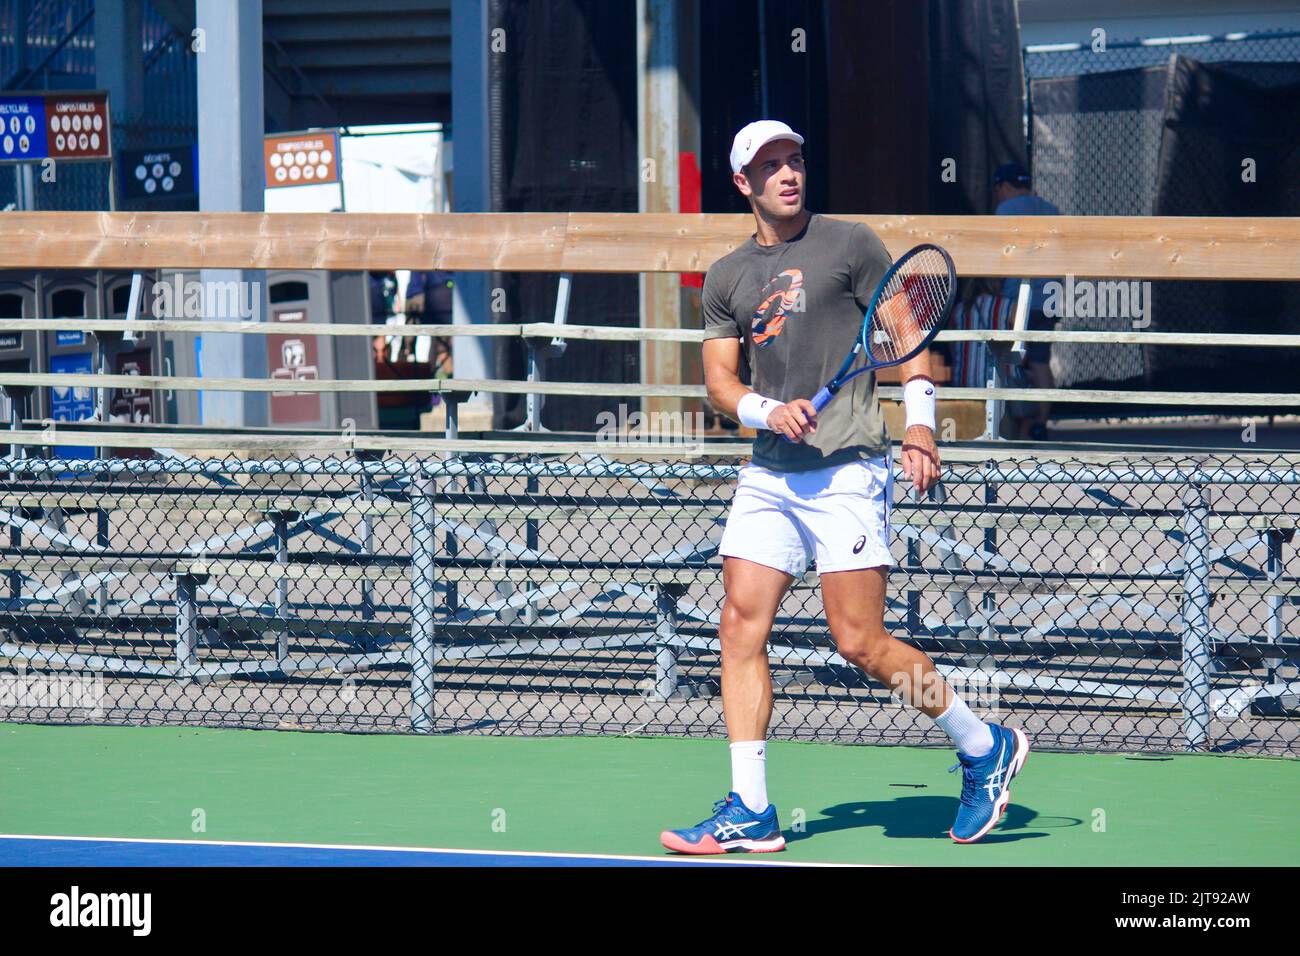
(1138, 605)
(1068, 59)
(1096, 116)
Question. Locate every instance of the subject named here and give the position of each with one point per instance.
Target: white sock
(971, 735)
(749, 773)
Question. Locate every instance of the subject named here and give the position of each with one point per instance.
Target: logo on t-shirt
(782, 294)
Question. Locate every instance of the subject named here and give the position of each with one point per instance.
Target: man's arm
(920, 453)
(722, 380)
(916, 367)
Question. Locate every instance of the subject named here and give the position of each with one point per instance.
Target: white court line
(746, 861)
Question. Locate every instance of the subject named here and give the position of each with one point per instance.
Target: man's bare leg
(855, 606)
(754, 593)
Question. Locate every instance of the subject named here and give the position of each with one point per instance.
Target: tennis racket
(907, 311)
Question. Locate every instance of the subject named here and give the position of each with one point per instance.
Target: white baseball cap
(754, 137)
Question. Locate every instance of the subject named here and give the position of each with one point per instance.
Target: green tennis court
(612, 795)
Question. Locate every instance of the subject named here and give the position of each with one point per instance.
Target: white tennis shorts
(837, 517)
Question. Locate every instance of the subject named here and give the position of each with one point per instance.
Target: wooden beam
(1142, 247)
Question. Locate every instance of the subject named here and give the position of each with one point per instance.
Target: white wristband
(918, 400)
(753, 409)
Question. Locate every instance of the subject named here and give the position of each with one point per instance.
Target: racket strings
(912, 303)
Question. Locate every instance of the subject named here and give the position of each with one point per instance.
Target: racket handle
(819, 401)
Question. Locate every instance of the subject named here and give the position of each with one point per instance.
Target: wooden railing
(1006, 246)
(990, 246)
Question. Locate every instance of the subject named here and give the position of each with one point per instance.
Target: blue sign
(67, 337)
(72, 403)
(23, 135)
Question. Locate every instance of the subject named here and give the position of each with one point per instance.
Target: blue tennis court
(108, 851)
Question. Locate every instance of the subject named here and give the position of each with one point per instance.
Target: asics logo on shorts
(860, 544)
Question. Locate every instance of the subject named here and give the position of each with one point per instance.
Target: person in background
(397, 410)
(1015, 197)
(428, 302)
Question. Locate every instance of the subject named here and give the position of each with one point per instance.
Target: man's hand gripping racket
(907, 311)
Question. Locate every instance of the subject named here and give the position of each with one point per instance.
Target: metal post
(531, 402)
(989, 602)
(16, 577)
(75, 600)
(1275, 605)
(951, 562)
(531, 542)
(1196, 618)
(101, 393)
(451, 542)
(228, 87)
(453, 420)
(282, 587)
(562, 293)
(424, 544)
(16, 407)
(665, 635)
(538, 355)
(26, 187)
(102, 539)
(367, 544)
(913, 562)
(187, 632)
(994, 408)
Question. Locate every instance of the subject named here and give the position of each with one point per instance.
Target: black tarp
(906, 84)
(569, 144)
(1170, 140)
(1218, 117)
(731, 94)
(976, 101)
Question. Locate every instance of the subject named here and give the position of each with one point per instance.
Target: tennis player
(788, 305)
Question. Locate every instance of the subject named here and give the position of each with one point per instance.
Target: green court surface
(612, 795)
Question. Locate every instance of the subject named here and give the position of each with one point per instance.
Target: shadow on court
(925, 818)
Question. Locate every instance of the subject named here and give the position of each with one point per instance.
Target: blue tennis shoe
(733, 828)
(986, 783)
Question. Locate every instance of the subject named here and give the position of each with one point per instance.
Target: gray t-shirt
(798, 306)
